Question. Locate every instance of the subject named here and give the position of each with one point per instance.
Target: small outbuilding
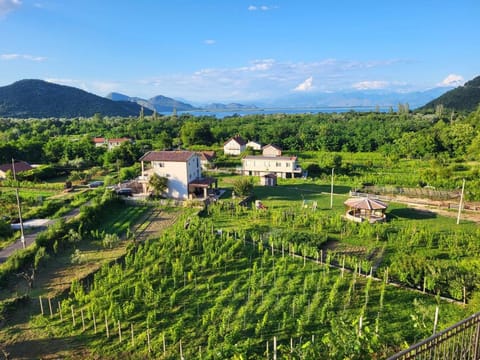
(268, 180)
(365, 209)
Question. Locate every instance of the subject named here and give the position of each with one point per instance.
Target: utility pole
(331, 190)
(22, 235)
(460, 206)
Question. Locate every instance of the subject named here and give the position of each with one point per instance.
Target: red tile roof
(172, 156)
(98, 140)
(19, 167)
(238, 139)
(276, 147)
(119, 140)
(206, 155)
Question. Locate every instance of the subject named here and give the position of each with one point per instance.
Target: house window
(160, 164)
(278, 164)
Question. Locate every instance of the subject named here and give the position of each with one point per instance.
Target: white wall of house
(263, 165)
(254, 145)
(179, 174)
(233, 148)
(270, 150)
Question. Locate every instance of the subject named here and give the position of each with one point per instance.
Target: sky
(236, 50)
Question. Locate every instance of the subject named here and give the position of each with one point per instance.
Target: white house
(109, 143)
(182, 169)
(20, 166)
(282, 166)
(234, 146)
(271, 150)
(206, 158)
(254, 145)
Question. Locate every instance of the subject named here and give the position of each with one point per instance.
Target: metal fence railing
(459, 341)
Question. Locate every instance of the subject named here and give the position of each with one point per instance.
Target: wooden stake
(360, 326)
(331, 190)
(267, 349)
(83, 320)
(164, 345)
(106, 326)
(94, 323)
(131, 331)
(50, 306)
(41, 304)
(181, 350)
(119, 332)
(60, 311)
(73, 315)
(148, 340)
(460, 206)
(436, 321)
(274, 348)
(291, 345)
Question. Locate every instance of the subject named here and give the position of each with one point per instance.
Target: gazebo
(365, 209)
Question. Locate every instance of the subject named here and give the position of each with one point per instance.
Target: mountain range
(42, 99)
(162, 103)
(365, 98)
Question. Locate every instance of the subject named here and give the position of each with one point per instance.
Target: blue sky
(229, 50)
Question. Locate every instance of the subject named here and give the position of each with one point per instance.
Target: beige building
(281, 166)
(234, 146)
(271, 150)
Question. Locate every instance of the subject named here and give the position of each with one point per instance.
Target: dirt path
(30, 237)
(21, 340)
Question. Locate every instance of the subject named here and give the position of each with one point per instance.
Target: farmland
(230, 280)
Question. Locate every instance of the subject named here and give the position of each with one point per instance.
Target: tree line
(403, 135)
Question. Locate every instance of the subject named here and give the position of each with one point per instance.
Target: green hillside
(463, 98)
(41, 99)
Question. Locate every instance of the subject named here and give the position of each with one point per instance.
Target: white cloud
(209, 42)
(94, 86)
(8, 5)
(261, 8)
(21, 57)
(370, 85)
(257, 80)
(452, 80)
(307, 85)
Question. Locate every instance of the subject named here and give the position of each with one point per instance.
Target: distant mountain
(158, 103)
(367, 98)
(164, 104)
(40, 99)
(229, 107)
(462, 98)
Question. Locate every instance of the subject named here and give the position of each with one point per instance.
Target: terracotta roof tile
(19, 166)
(172, 156)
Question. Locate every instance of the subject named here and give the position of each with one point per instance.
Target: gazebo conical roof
(365, 204)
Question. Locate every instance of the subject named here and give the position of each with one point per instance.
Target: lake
(220, 114)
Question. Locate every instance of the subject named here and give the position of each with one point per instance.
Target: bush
(243, 186)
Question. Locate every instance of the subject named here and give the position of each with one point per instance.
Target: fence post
(73, 316)
(50, 306)
(41, 304)
(106, 326)
(60, 311)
